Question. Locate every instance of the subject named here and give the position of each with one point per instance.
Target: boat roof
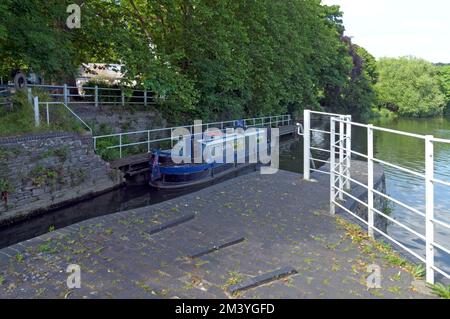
(228, 138)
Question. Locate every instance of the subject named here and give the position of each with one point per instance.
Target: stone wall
(43, 171)
(359, 173)
(359, 170)
(120, 119)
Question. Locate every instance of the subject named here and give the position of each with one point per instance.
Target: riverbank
(215, 243)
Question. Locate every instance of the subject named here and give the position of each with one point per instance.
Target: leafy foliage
(444, 78)
(355, 95)
(410, 87)
(201, 58)
(33, 37)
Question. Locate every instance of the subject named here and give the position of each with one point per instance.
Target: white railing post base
(306, 145)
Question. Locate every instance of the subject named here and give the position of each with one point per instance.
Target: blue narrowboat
(165, 174)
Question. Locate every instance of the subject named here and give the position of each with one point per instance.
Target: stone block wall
(42, 171)
(119, 119)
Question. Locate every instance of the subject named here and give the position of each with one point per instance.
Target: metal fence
(149, 137)
(341, 181)
(92, 95)
(50, 111)
(5, 100)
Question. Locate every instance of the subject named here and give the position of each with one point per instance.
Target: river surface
(404, 151)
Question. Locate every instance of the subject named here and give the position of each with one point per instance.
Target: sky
(393, 28)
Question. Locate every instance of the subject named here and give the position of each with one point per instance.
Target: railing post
(123, 97)
(370, 203)
(341, 157)
(96, 96)
(30, 96)
(148, 140)
(66, 95)
(120, 145)
(48, 114)
(145, 97)
(348, 149)
(332, 165)
(36, 111)
(306, 144)
(429, 207)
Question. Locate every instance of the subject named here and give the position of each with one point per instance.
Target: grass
(361, 238)
(19, 258)
(233, 279)
(45, 248)
(440, 290)
(418, 271)
(20, 119)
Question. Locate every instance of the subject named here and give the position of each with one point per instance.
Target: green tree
(354, 95)
(410, 87)
(444, 78)
(34, 36)
(201, 58)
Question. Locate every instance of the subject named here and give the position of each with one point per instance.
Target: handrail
(263, 121)
(69, 109)
(341, 151)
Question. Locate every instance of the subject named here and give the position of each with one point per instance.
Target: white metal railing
(429, 220)
(340, 153)
(149, 137)
(93, 95)
(308, 158)
(37, 112)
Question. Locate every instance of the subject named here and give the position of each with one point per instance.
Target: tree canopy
(410, 87)
(202, 58)
(444, 78)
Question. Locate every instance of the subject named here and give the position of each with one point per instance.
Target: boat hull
(208, 176)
